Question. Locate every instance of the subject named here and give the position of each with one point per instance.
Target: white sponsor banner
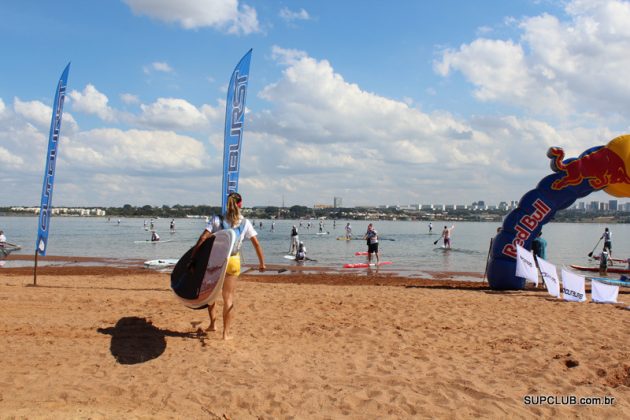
(550, 276)
(525, 266)
(573, 287)
(604, 293)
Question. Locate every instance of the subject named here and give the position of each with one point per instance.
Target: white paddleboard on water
(148, 241)
(167, 262)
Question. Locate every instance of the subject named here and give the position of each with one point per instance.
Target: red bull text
(525, 226)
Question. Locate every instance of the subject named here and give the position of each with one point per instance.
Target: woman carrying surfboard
(244, 230)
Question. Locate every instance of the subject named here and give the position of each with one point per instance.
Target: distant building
(322, 206)
(612, 205)
(337, 201)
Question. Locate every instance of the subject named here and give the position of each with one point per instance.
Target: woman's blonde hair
(233, 214)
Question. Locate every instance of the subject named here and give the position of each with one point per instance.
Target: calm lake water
(407, 244)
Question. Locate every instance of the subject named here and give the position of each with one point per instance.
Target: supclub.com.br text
(567, 400)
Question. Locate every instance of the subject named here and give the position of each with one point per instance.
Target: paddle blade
(434, 243)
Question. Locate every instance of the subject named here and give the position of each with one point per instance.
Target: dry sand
(115, 343)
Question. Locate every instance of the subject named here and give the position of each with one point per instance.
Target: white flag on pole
(604, 293)
(525, 266)
(550, 276)
(573, 287)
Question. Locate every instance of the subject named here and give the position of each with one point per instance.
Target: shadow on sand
(136, 340)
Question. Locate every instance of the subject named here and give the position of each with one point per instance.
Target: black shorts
(608, 244)
(372, 248)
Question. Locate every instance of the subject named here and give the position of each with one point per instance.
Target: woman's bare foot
(212, 327)
(227, 337)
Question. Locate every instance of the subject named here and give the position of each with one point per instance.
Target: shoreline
(76, 265)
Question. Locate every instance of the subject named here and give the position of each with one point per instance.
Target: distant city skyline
(587, 206)
(405, 102)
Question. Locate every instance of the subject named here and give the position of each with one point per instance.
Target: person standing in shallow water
(371, 236)
(446, 234)
(244, 230)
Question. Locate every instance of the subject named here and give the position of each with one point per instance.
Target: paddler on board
(607, 237)
(244, 230)
(348, 229)
(446, 234)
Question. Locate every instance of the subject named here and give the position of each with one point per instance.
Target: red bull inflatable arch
(598, 168)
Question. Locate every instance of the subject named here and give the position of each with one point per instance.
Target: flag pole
(35, 270)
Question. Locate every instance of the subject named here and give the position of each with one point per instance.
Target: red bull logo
(601, 167)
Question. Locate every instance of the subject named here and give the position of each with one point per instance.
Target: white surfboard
(163, 263)
(213, 272)
(148, 241)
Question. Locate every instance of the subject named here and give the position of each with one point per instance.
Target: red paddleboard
(596, 269)
(361, 253)
(366, 265)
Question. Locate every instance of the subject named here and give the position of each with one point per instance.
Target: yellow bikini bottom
(234, 265)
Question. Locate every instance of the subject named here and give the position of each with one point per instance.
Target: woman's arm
(206, 234)
(259, 252)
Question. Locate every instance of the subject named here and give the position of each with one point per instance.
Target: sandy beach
(101, 342)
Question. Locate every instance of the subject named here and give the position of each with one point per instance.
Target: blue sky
(376, 102)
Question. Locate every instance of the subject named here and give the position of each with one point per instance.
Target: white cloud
(162, 66)
(557, 68)
(129, 99)
(320, 125)
(158, 66)
(224, 15)
(290, 16)
(8, 159)
(134, 150)
(173, 113)
(35, 112)
(2, 107)
(91, 101)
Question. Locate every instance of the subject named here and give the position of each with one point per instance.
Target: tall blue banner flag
(233, 136)
(51, 159)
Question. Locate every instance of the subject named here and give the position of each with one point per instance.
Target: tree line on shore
(303, 212)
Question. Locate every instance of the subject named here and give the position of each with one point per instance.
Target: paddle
(590, 254)
(436, 241)
(282, 270)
